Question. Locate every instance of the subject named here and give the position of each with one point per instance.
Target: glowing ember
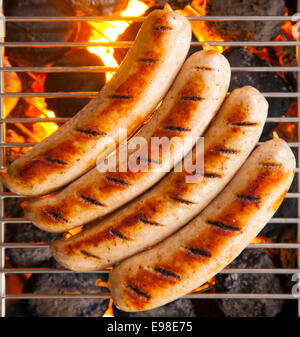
(109, 311)
(200, 29)
(109, 31)
(206, 286)
(72, 232)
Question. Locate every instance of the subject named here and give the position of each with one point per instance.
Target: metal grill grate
(4, 145)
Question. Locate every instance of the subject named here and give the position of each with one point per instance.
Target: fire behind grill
(19, 132)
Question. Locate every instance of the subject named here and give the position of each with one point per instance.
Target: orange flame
(109, 31)
(110, 310)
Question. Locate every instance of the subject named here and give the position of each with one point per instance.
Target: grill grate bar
(29, 245)
(113, 69)
(128, 44)
(191, 296)
(106, 271)
(142, 18)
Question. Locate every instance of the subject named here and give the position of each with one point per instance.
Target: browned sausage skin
(173, 201)
(137, 87)
(191, 103)
(212, 240)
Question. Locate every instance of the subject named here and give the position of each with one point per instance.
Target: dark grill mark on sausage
(212, 175)
(92, 133)
(57, 217)
(139, 292)
(162, 28)
(223, 225)
(274, 165)
(224, 150)
(244, 124)
(118, 234)
(121, 97)
(198, 252)
(176, 128)
(147, 60)
(91, 200)
(183, 201)
(117, 181)
(167, 273)
(147, 222)
(84, 252)
(56, 161)
(246, 197)
(146, 160)
(204, 68)
(192, 98)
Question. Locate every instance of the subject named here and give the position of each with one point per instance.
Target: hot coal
(175, 4)
(73, 82)
(245, 30)
(179, 308)
(250, 284)
(65, 284)
(38, 31)
(98, 7)
(24, 232)
(263, 81)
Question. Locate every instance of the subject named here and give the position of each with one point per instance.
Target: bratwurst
(191, 103)
(213, 239)
(122, 105)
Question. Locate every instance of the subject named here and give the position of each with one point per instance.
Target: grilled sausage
(138, 86)
(188, 108)
(174, 201)
(212, 240)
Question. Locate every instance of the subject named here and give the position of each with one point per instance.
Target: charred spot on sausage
(223, 225)
(198, 252)
(272, 165)
(92, 133)
(211, 175)
(91, 200)
(84, 252)
(176, 128)
(139, 292)
(183, 201)
(167, 273)
(146, 160)
(147, 60)
(247, 197)
(147, 222)
(121, 97)
(56, 161)
(244, 124)
(57, 216)
(224, 150)
(118, 234)
(162, 28)
(192, 98)
(204, 68)
(117, 181)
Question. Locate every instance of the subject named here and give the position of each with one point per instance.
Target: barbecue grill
(4, 246)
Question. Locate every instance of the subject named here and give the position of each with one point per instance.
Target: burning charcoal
(288, 257)
(98, 7)
(245, 30)
(28, 257)
(263, 81)
(73, 82)
(38, 31)
(250, 283)
(65, 284)
(24, 232)
(175, 4)
(179, 308)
